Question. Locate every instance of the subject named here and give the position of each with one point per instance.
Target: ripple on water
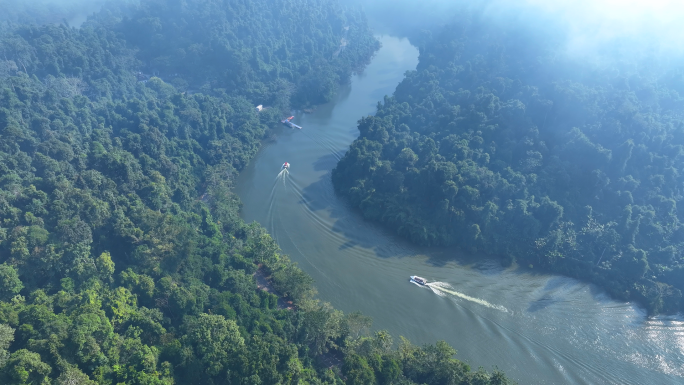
(554, 330)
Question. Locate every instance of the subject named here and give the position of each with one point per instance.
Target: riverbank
(572, 330)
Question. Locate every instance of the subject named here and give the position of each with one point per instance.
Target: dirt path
(328, 360)
(264, 284)
(331, 359)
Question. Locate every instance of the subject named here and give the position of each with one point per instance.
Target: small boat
(419, 280)
(288, 122)
(285, 165)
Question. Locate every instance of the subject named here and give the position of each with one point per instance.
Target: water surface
(539, 329)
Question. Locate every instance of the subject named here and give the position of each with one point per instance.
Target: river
(539, 329)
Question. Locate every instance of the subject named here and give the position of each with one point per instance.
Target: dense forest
(502, 145)
(123, 259)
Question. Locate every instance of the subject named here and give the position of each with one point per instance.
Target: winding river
(539, 329)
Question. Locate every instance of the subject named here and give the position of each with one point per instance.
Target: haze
(246, 191)
(74, 12)
(595, 31)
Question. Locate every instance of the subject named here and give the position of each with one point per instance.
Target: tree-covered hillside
(500, 144)
(123, 259)
(271, 52)
(265, 50)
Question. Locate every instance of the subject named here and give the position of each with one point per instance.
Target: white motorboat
(418, 280)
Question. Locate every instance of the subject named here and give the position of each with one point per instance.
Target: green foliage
(358, 371)
(73, 376)
(25, 367)
(267, 51)
(214, 340)
(495, 144)
(10, 284)
(123, 258)
(6, 338)
(371, 360)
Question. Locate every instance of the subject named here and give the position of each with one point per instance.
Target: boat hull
(419, 280)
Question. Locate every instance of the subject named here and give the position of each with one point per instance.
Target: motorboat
(285, 165)
(418, 280)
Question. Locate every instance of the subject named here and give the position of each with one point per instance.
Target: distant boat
(288, 122)
(285, 165)
(418, 280)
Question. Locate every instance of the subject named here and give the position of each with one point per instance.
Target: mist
(628, 35)
(73, 12)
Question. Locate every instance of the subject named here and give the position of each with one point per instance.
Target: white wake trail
(324, 227)
(273, 202)
(443, 288)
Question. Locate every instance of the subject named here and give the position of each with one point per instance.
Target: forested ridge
(272, 53)
(123, 259)
(500, 145)
(265, 50)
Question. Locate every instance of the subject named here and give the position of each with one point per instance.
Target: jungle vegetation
(501, 145)
(123, 259)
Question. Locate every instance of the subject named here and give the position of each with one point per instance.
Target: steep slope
(123, 258)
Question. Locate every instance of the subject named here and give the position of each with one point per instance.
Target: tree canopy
(123, 259)
(498, 144)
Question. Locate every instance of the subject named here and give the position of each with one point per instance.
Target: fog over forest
(547, 136)
(590, 82)
(73, 12)
(607, 32)
(591, 30)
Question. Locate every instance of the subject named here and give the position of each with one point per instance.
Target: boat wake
(274, 215)
(443, 289)
(282, 173)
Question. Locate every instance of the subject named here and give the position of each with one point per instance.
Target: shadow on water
(541, 303)
(556, 283)
(357, 231)
(554, 292)
(600, 295)
(326, 163)
(549, 323)
(350, 223)
(324, 112)
(361, 232)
